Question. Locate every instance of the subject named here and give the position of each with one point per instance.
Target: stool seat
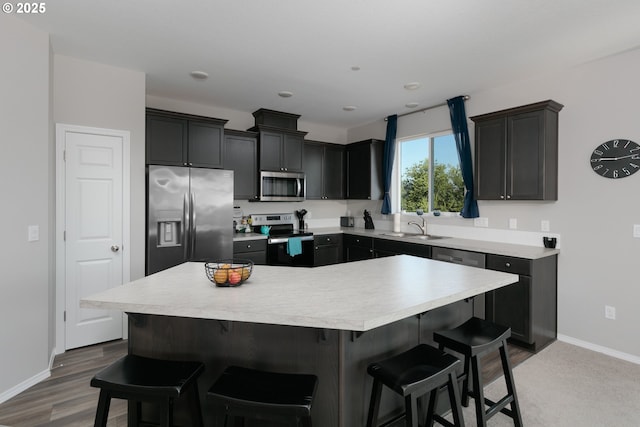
(473, 339)
(412, 374)
(254, 393)
(143, 379)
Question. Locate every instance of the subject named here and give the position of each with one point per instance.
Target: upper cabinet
(241, 156)
(280, 144)
(516, 153)
(364, 170)
(184, 140)
(324, 168)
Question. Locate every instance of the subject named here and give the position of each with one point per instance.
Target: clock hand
(624, 157)
(601, 159)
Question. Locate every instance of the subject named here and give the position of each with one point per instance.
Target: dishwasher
(471, 259)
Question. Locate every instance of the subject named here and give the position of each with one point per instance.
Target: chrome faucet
(422, 227)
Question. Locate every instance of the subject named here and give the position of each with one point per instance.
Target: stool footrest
(500, 406)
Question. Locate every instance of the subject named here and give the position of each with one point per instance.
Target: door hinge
(64, 316)
(64, 236)
(64, 155)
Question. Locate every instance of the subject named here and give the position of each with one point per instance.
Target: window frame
(396, 181)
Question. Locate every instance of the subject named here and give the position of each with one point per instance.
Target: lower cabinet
(386, 247)
(529, 306)
(357, 248)
(327, 249)
(254, 250)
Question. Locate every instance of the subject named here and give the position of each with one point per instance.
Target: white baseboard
(30, 382)
(600, 349)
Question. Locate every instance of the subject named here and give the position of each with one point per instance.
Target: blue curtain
(461, 133)
(387, 161)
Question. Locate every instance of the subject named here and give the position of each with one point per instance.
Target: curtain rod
(466, 98)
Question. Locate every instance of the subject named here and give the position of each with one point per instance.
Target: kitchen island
(331, 321)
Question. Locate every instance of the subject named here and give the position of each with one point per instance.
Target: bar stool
(474, 339)
(412, 374)
(141, 379)
(250, 393)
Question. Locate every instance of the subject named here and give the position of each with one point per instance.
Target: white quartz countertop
(483, 246)
(356, 296)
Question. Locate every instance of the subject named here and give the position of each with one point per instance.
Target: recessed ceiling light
(200, 75)
(285, 94)
(412, 86)
(349, 108)
(411, 104)
(355, 68)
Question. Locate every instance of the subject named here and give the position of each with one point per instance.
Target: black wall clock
(618, 158)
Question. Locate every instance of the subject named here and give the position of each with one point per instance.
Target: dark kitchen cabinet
(357, 248)
(387, 247)
(364, 170)
(177, 139)
(280, 149)
(254, 250)
(324, 169)
(529, 306)
(327, 249)
(516, 153)
(241, 156)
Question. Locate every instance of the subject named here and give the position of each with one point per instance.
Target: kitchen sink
(427, 237)
(414, 236)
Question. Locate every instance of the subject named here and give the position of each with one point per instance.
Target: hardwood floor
(66, 398)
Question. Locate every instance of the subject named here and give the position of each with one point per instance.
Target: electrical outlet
(636, 230)
(481, 222)
(513, 223)
(610, 312)
(544, 225)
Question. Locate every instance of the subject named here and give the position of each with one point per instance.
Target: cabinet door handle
(507, 264)
(508, 197)
(502, 197)
(248, 246)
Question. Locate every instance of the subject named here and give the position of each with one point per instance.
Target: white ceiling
(252, 49)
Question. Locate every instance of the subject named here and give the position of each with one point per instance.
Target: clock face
(618, 158)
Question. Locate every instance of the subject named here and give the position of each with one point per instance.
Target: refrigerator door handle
(186, 215)
(193, 225)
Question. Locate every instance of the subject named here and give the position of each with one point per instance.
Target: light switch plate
(636, 230)
(513, 223)
(544, 225)
(33, 233)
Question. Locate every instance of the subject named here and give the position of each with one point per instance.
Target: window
(429, 176)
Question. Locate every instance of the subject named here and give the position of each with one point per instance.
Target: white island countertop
(355, 296)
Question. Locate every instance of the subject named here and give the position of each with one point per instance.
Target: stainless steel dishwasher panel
(471, 259)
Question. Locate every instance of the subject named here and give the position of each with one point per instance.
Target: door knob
(115, 248)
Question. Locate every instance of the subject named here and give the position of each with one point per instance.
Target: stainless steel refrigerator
(189, 215)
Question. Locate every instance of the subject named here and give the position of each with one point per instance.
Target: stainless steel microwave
(282, 186)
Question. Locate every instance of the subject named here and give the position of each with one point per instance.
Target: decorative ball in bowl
(229, 272)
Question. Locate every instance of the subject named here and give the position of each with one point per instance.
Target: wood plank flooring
(67, 399)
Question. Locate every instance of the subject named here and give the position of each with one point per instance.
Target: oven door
(277, 252)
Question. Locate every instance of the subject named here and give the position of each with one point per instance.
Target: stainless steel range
(285, 245)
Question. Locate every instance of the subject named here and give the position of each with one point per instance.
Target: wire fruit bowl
(229, 272)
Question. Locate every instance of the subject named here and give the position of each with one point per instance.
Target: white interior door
(93, 231)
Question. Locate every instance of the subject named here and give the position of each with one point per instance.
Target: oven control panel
(272, 219)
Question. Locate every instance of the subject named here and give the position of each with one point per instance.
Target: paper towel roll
(396, 222)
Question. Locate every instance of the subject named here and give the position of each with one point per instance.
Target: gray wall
(25, 267)
(594, 216)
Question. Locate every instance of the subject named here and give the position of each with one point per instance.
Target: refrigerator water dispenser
(169, 232)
